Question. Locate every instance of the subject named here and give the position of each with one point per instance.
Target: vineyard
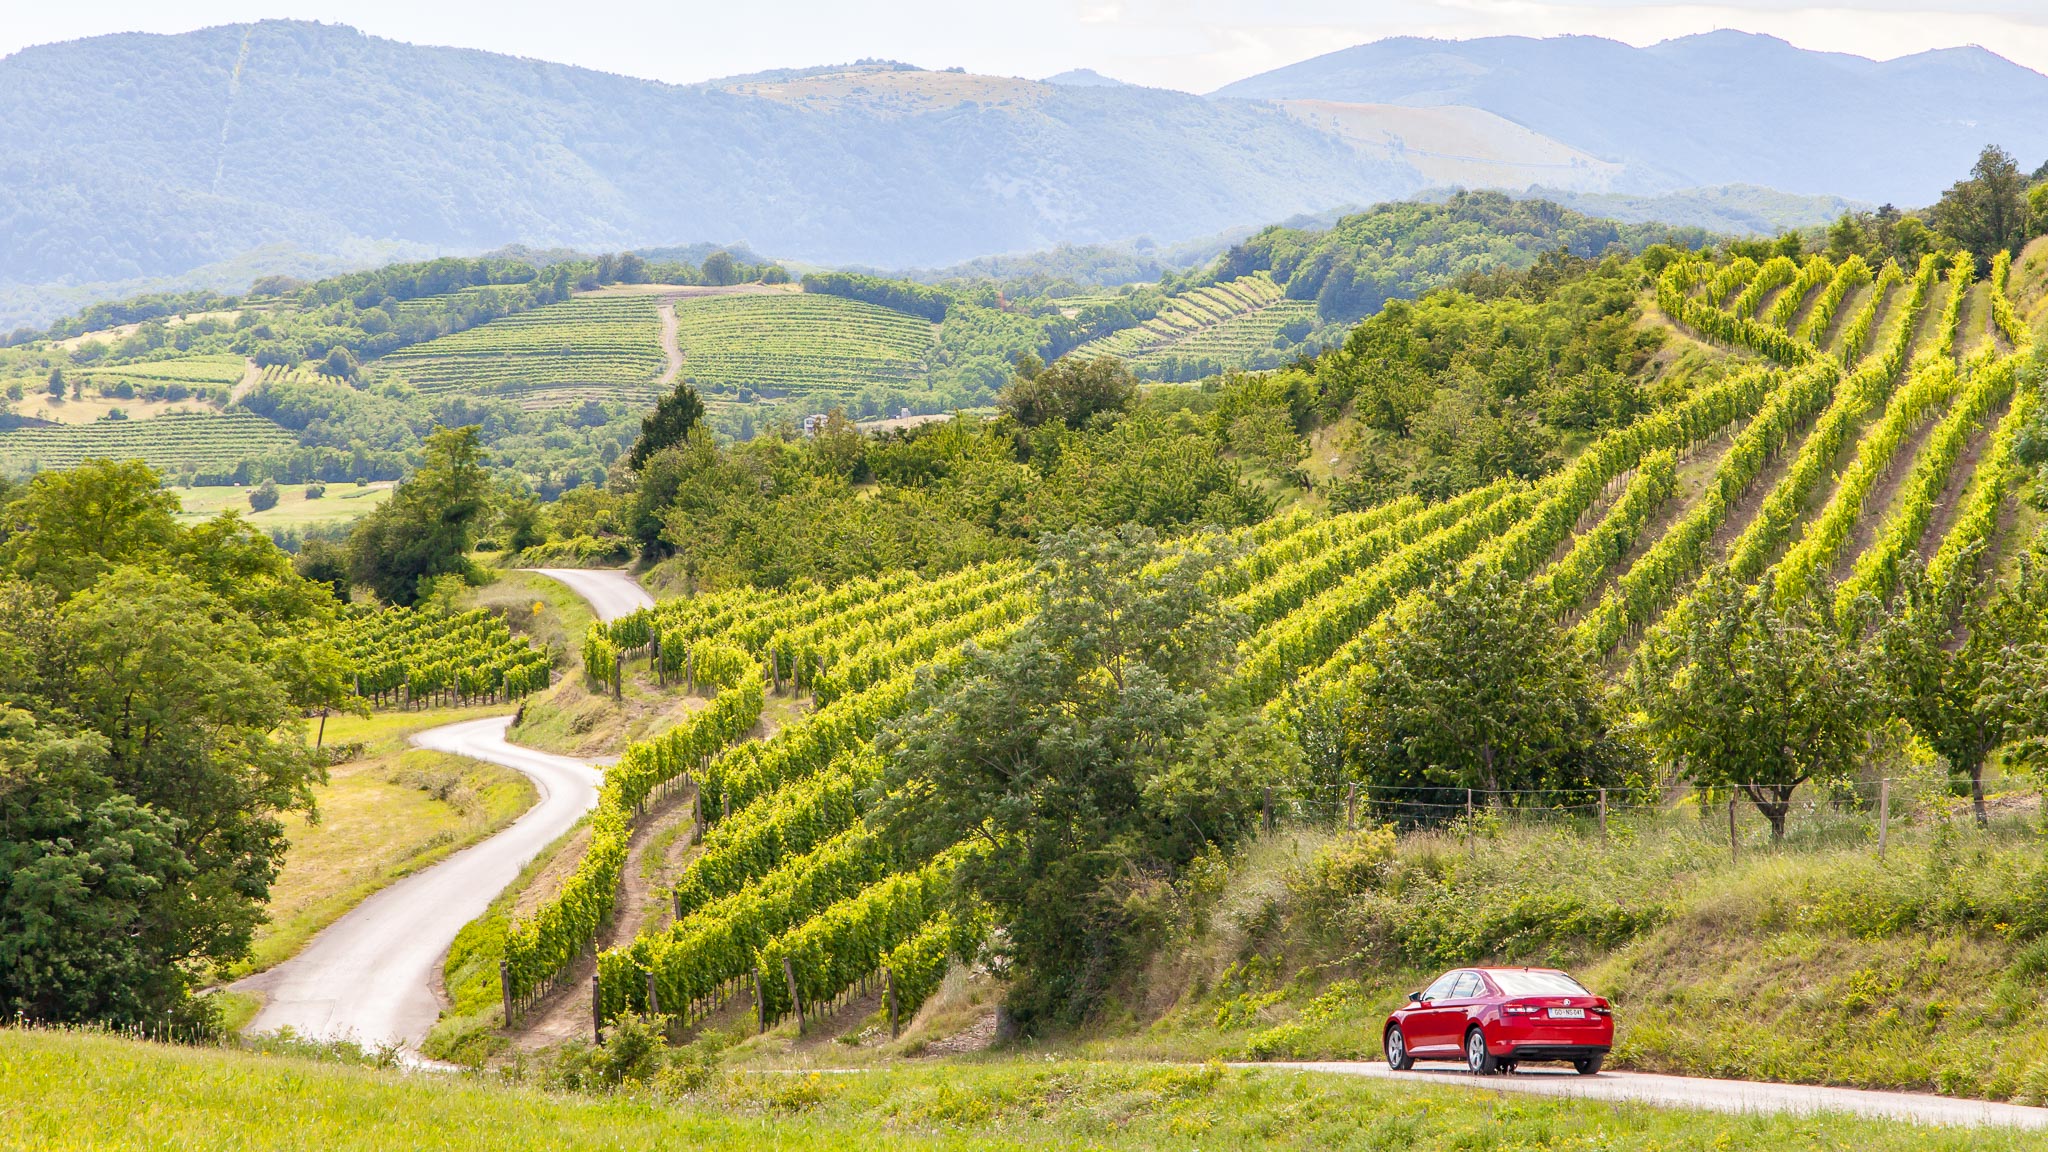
(590, 347)
(402, 657)
(176, 442)
(1869, 414)
(1225, 325)
(776, 345)
(195, 372)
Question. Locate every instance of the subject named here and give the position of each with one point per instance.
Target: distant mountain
(1084, 78)
(1720, 108)
(143, 156)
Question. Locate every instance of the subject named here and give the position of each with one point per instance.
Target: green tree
(150, 740)
(72, 526)
(1067, 391)
(1756, 696)
(1987, 213)
(1964, 663)
(667, 425)
(326, 563)
(56, 384)
(429, 524)
(263, 497)
(1477, 687)
(1088, 757)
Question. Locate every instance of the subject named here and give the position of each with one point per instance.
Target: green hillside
(175, 443)
(771, 346)
(603, 347)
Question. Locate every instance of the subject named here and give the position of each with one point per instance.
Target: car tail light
(1520, 1009)
(1603, 1010)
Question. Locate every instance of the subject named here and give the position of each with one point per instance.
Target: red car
(1495, 1018)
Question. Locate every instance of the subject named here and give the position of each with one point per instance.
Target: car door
(1450, 1016)
(1428, 1026)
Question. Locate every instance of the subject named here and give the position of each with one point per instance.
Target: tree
(56, 384)
(665, 427)
(1988, 212)
(1756, 696)
(1476, 687)
(263, 497)
(428, 525)
(72, 526)
(1087, 756)
(325, 563)
(1963, 663)
(721, 268)
(1068, 391)
(340, 363)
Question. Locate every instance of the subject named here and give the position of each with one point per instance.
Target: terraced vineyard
(786, 344)
(1841, 441)
(178, 442)
(1228, 322)
(591, 347)
(192, 371)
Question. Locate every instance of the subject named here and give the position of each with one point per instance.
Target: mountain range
(152, 159)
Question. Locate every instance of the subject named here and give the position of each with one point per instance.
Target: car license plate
(1567, 1013)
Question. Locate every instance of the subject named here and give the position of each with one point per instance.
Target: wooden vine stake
(796, 1001)
(760, 1003)
(1884, 814)
(889, 989)
(505, 986)
(596, 1009)
(1734, 841)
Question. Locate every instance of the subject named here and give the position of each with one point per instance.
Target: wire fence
(1866, 808)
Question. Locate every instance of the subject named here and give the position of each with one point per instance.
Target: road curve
(1740, 1096)
(369, 976)
(612, 592)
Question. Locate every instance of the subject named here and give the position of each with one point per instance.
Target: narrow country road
(1739, 1096)
(612, 592)
(369, 976)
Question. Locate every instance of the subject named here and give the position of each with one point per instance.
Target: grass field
(387, 813)
(55, 1091)
(340, 504)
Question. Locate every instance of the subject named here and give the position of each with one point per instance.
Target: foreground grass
(56, 1091)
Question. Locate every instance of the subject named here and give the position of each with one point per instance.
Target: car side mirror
(1415, 997)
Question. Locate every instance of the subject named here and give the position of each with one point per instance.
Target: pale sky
(1193, 45)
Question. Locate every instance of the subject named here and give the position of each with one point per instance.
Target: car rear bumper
(1547, 1050)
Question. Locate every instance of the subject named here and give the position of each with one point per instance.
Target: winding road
(1738, 1096)
(370, 976)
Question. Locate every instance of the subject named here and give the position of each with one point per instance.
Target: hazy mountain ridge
(139, 162)
(1719, 108)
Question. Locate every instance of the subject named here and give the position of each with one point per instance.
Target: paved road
(369, 976)
(1716, 1095)
(612, 592)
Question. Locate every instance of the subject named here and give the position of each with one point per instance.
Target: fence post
(618, 675)
(889, 989)
(796, 1001)
(760, 1003)
(505, 987)
(1734, 841)
(660, 677)
(1266, 810)
(596, 1008)
(1884, 813)
(690, 671)
(1351, 807)
(653, 1002)
(1603, 813)
(1468, 820)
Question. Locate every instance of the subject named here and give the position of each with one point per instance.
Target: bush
(264, 498)
(315, 491)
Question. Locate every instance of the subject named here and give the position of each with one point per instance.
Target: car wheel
(1589, 1065)
(1477, 1058)
(1397, 1050)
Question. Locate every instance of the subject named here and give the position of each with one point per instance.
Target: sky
(1192, 45)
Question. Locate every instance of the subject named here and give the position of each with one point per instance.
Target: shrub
(264, 498)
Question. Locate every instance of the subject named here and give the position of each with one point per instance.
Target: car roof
(1499, 968)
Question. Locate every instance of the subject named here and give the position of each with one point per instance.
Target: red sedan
(1495, 1018)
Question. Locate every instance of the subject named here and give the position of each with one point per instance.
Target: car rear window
(1538, 984)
